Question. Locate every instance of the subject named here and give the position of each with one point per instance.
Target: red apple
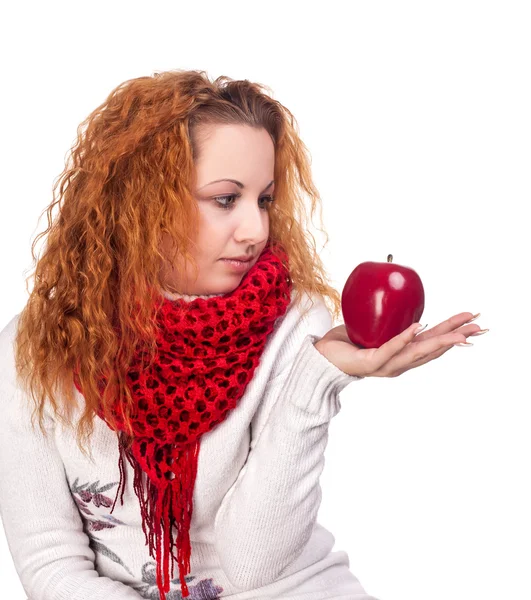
(379, 301)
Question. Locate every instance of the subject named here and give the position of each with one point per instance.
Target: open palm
(401, 353)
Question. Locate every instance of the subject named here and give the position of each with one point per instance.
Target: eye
(270, 199)
(225, 206)
(219, 201)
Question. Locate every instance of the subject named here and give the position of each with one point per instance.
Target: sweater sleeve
(268, 515)
(41, 521)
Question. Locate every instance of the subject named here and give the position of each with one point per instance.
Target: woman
(179, 320)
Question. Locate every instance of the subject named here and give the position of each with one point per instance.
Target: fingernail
(419, 329)
(480, 332)
(473, 318)
(463, 344)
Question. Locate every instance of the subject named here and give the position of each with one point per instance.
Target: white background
(417, 117)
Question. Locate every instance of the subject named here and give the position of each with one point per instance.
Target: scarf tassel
(162, 508)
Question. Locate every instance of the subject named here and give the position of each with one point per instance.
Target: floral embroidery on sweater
(86, 493)
(203, 590)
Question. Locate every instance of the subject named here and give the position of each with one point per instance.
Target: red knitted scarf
(206, 356)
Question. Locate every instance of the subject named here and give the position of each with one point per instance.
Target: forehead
(235, 151)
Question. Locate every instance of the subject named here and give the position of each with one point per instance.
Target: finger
(392, 356)
(385, 353)
(394, 369)
(465, 331)
(447, 326)
(423, 360)
(421, 350)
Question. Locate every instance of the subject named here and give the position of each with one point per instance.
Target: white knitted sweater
(254, 529)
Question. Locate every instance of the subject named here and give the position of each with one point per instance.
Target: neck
(186, 297)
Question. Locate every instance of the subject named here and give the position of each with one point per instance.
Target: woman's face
(246, 155)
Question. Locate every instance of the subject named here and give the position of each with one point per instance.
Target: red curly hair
(129, 180)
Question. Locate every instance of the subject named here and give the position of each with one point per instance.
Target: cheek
(211, 227)
(212, 238)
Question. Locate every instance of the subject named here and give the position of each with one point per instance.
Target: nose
(252, 225)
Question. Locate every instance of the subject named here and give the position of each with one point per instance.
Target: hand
(398, 355)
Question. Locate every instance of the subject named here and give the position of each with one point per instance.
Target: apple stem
(389, 258)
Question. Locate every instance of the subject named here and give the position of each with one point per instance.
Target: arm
(41, 521)
(268, 515)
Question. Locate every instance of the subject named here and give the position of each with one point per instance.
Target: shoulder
(7, 339)
(306, 315)
(9, 330)
(309, 313)
(16, 404)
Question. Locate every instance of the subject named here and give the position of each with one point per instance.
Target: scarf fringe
(162, 509)
(168, 502)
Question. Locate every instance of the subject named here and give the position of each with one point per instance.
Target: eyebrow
(238, 183)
